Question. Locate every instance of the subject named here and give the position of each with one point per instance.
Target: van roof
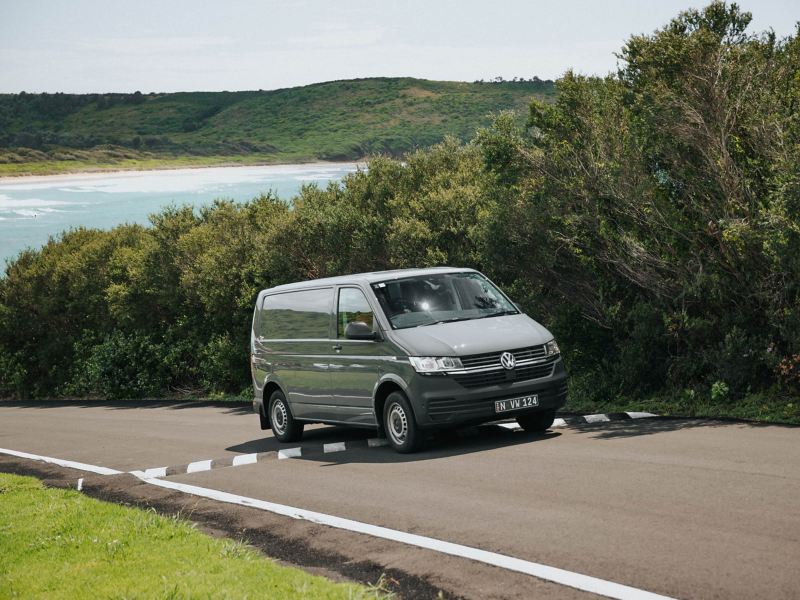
(368, 278)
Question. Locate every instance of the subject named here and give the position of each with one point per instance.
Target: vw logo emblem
(507, 360)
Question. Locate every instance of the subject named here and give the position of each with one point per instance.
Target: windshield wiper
(450, 320)
(501, 313)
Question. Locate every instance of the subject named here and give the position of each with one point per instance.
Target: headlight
(551, 348)
(433, 364)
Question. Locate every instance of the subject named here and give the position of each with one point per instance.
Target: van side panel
(293, 343)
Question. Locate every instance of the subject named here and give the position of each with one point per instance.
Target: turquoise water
(34, 208)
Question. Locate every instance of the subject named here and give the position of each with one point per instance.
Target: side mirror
(358, 330)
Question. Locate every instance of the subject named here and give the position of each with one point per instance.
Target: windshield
(440, 298)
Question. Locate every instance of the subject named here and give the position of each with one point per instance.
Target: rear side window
(353, 306)
(297, 315)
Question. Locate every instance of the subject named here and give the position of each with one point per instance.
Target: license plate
(516, 403)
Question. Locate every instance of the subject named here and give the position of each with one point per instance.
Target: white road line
(559, 423)
(156, 472)
(554, 574)
(640, 415)
(200, 465)
(334, 447)
(376, 442)
(596, 418)
(290, 453)
(561, 576)
(245, 459)
(63, 463)
(510, 425)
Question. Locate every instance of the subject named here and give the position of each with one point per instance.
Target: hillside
(340, 120)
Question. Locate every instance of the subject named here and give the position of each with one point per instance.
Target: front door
(356, 364)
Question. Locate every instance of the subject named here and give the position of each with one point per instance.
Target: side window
(353, 306)
(297, 315)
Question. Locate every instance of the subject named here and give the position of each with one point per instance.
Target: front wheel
(284, 427)
(401, 428)
(537, 421)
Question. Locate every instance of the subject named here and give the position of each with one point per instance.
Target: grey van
(404, 351)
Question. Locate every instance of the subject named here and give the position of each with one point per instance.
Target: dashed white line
(290, 453)
(245, 459)
(200, 465)
(514, 426)
(156, 472)
(377, 442)
(334, 447)
(640, 415)
(596, 418)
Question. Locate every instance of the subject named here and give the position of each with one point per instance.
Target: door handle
(337, 347)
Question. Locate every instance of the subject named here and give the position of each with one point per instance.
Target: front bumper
(439, 401)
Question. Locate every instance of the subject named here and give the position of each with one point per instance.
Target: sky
(83, 46)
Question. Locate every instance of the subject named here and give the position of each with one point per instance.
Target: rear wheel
(401, 428)
(284, 427)
(538, 421)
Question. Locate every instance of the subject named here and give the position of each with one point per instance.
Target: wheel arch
(270, 386)
(388, 383)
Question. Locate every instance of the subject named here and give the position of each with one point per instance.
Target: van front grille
(490, 359)
(448, 409)
(499, 376)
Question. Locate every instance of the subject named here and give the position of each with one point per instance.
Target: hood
(476, 336)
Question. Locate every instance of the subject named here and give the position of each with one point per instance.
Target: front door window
(353, 306)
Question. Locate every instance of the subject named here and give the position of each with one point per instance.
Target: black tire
(537, 421)
(284, 427)
(401, 427)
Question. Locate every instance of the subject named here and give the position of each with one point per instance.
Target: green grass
(339, 120)
(98, 161)
(62, 544)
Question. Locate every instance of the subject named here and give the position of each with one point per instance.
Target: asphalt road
(684, 508)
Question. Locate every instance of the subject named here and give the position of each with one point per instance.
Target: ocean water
(32, 209)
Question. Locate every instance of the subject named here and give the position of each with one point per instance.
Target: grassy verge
(766, 408)
(61, 544)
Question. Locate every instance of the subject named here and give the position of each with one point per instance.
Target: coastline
(116, 170)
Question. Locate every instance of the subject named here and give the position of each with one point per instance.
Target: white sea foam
(6, 202)
(313, 177)
(31, 214)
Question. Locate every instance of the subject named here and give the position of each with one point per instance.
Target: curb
(333, 447)
(588, 419)
(260, 457)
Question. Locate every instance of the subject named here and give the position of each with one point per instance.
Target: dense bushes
(651, 219)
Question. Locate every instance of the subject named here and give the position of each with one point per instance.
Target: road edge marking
(571, 579)
(62, 463)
